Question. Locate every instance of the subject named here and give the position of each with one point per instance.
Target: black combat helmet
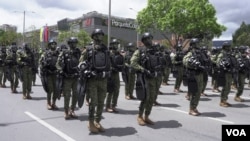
(146, 36)
(194, 42)
(114, 44)
(72, 40)
(96, 32)
(52, 41)
(226, 45)
(242, 49)
(147, 39)
(130, 47)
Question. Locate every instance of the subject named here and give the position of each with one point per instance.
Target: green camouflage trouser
(2, 76)
(69, 90)
(179, 77)
(129, 87)
(166, 74)
(14, 77)
(151, 90)
(51, 87)
(226, 89)
(158, 85)
(112, 97)
(241, 82)
(195, 97)
(96, 89)
(27, 79)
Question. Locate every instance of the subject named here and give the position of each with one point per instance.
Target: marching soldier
(195, 69)
(178, 67)
(66, 65)
(225, 64)
(214, 55)
(244, 67)
(146, 62)
(25, 60)
(129, 72)
(167, 67)
(3, 55)
(48, 69)
(11, 65)
(95, 63)
(117, 65)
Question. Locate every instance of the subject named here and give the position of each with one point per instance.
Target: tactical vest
(71, 60)
(150, 60)
(128, 56)
(117, 61)
(2, 58)
(99, 59)
(11, 58)
(51, 59)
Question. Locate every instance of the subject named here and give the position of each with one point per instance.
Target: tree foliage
(181, 18)
(82, 35)
(242, 35)
(7, 37)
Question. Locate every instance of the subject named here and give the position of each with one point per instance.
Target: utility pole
(109, 22)
(24, 13)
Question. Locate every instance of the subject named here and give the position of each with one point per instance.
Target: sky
(230, 13)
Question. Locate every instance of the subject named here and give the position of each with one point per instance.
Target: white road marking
(53, 129)
(176, 110)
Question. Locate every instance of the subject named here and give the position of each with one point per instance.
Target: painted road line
(216, 119)
(53, 129)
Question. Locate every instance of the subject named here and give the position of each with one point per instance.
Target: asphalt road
(29, 120)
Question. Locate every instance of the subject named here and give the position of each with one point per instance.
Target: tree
(242, 35)
(7, 37)
(182, 18)
(83, 37)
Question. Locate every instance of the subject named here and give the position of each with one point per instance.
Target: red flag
(46, 34)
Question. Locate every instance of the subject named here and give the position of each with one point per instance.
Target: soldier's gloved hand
(147, 72)
(106, 74)
(202, 68)
(60, 72)
(93, 73)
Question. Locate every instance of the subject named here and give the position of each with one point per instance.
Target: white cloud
(229, 12)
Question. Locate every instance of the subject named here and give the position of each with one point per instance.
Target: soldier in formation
(113, 88)
(145, 62)
(12, 67)
(67, 66)
(95, 63)
(48, 73)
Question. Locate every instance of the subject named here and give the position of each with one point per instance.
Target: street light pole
(23, 26)
(24, 13)
(109, 22)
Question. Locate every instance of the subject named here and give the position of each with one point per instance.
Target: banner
(41, 34)
(44, 34)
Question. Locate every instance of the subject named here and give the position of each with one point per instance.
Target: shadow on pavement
(119, 131)
(165, 124)
(212, 114)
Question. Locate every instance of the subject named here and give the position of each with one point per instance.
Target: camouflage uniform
(117, 65)
(145, 61)
(25, 59)
(3, 78)
(244, 68)
(66, 65)
(11, 64)
(178, 66)
(224, 63)
(195, 69)
(129, 86)
(96, 61)
(47, 63)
